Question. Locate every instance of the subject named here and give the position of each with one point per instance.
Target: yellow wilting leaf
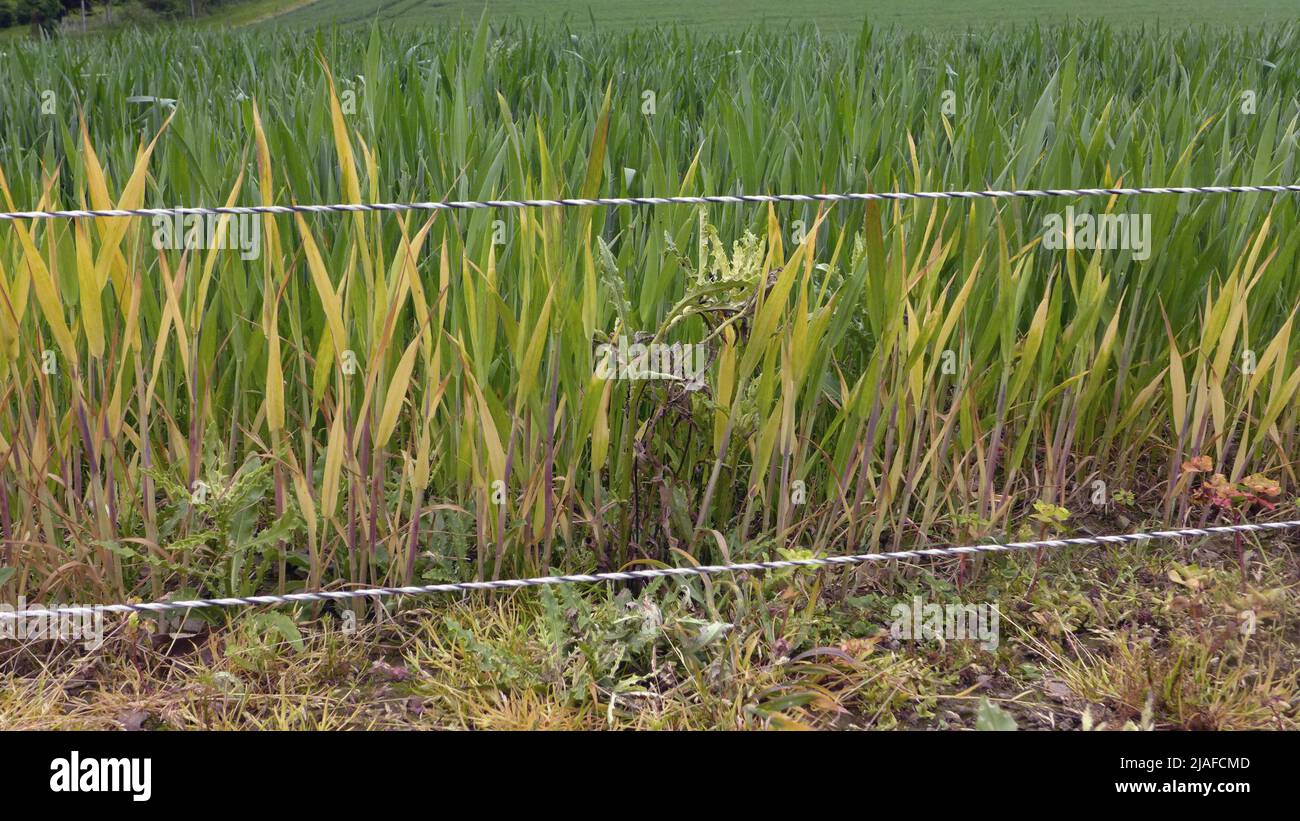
(600, 428)
(408, 278)
(403, 276)
(470, 296)
(799, 334)
(1279, 401)
(915, 374)
(126, 368)
(596, 159)
(8, 321)
(324, 288)
(1271, 359)
(210, 261)
(305, 503)
(172, 312)
(1102, 358)
(132, 197)
(589, 290)
(47, 294)
(342, 144)
(1177, 381)
(348, 169)
(333, 466)
(1253, 256)
(272, 262)
(95, 178)
(88, 290)
(487, 422)
(496, 453)
(47, 297)
(96, 182)
(1029, 349)
(420, 470)
(271, 242)
(1214, 394)
(958, 306)
(773, 304)
(528, 367)
(420, 464)
(274, 375)
(396, 393)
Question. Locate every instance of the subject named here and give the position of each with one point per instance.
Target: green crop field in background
(830, 15)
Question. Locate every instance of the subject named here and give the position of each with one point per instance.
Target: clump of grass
(1119, 640)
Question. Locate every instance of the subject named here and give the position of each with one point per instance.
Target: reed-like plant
(385, 398)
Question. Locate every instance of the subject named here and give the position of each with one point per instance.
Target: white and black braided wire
(631, 575)
(723, 199)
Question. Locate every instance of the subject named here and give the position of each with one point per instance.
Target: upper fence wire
(613, 202)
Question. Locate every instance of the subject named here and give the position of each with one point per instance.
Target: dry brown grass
(1107, 639)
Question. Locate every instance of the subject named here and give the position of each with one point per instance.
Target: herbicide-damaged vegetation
(201, 406)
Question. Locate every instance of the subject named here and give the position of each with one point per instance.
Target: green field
(718, 18)
(948, 370)
(831, 15)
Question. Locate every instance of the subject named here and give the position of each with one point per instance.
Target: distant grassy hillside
(103, 17)
(717, 17)
(725, 15)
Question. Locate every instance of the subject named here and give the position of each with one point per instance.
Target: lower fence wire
(651, 573)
